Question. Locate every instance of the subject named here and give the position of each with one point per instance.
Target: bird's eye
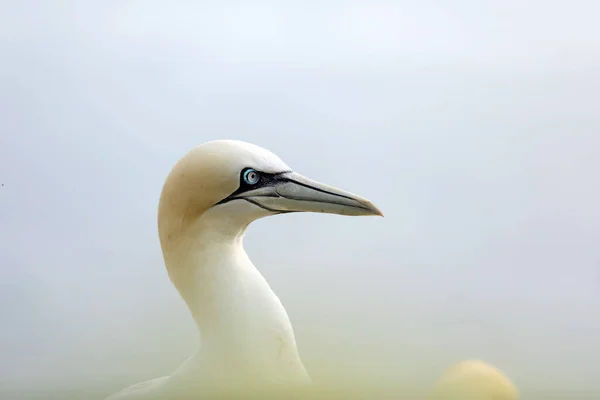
(251, 177)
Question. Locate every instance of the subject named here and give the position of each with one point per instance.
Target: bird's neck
(243, 325)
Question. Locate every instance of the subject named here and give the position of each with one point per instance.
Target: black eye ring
(251, 176)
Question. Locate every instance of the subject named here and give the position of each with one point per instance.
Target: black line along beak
(292, 192)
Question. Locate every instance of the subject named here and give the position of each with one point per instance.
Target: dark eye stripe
(266, 179)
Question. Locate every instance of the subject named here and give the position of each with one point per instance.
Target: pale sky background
(473, 125)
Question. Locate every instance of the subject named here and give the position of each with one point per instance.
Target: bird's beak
(292, 192)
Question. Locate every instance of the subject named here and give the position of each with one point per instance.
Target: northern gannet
(474, 380)
(208, 200)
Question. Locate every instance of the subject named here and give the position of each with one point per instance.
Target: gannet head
(474, 380)
(234, 183)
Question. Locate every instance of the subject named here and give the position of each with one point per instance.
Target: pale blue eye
(251, 177)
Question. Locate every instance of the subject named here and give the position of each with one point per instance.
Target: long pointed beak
(292, 192)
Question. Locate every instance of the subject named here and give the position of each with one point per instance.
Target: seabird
(208, 200)
(474, 380)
